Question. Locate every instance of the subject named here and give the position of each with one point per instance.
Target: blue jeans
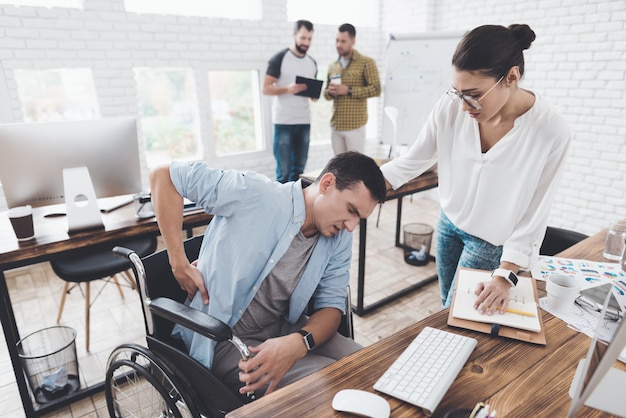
(291, 150)
(456, 248)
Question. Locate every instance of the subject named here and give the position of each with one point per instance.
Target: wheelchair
(162, 380)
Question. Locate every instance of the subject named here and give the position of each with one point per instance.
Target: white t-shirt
(502, 196)
(289, 109)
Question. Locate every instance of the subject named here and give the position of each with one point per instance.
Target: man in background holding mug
(352, 79)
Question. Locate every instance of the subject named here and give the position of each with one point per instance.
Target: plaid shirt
(361, 74)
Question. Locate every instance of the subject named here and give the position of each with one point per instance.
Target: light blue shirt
(255, 220)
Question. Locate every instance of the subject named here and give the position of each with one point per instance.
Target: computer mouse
(362, 403)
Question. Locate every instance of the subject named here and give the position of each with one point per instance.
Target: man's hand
(270, 362)
(492, 296)
(338, 90)
(294, 88)
(190, 280)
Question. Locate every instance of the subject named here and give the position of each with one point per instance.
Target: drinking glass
(615, 241)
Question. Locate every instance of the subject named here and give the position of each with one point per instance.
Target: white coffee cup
(21, 218)
(562, 292)
(335, 79)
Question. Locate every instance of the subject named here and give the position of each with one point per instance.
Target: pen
(517, 311)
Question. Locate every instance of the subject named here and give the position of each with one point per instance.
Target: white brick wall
(111, 42)
(578, 63)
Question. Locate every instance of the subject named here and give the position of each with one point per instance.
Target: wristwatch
(508, 275)
(350, 91)
(308, 339)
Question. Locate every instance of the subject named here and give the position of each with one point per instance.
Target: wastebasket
(417, 239)
(49, 360)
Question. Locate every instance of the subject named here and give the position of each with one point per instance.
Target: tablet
(313, 89)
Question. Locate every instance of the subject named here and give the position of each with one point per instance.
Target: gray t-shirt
(272, 299)
(289, 109)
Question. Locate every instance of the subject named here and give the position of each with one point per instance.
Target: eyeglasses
(471, 101)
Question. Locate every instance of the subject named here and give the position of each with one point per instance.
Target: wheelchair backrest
(160, 282)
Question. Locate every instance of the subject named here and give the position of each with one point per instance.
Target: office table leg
(398, 222)
(360, 308)
(12, 336)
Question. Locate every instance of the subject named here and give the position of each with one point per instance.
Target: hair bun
(524, 35)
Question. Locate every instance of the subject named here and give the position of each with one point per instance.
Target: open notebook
(523, 322)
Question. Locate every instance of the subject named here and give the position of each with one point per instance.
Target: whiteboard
(418, 72)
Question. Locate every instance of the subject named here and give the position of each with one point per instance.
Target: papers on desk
(585, 321)
(588, 273)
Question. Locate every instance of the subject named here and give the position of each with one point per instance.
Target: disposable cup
(21, 218)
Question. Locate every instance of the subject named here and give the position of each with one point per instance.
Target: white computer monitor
(596, 383)
(72, 162)
(33, 156)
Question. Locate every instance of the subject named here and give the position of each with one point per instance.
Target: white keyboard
(427, 367)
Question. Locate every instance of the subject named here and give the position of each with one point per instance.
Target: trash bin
(417, 239)
(50, 363)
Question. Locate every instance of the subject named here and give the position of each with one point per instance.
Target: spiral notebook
(522, 298)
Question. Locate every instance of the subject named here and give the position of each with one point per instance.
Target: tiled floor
(35, 293)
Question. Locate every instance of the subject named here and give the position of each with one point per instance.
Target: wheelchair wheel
(139, 384)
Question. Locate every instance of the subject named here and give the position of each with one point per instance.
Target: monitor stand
(603, 396)
(80, 199)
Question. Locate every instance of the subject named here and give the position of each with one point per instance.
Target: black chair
(558, 239)
(162, 379)
(94, 263)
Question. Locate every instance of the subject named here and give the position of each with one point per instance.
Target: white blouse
(502, 196)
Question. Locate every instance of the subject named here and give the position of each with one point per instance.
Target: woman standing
(499, 150)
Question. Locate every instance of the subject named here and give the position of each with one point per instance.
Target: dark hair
(352, 167)
(300, 23)
(492, 49)
(346, 27)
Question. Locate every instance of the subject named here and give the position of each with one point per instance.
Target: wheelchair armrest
(193, 319)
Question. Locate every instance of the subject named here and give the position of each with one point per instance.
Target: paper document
(521, 298)
(589, 274)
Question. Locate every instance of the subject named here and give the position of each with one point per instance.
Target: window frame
(206, 129)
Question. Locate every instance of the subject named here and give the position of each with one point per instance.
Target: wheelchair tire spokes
(140, 385)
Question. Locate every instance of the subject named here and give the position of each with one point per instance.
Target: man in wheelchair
(269, 249)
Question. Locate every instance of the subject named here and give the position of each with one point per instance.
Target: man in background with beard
(290, 112)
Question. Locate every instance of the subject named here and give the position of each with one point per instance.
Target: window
(233, 9)
(356, 12)
(57, 94)
(235, 111)
(168, 114)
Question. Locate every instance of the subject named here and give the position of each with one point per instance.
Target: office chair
(94, 263)
(558, 239)
(162, 379)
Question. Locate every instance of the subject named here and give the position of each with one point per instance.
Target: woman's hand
(492, 296)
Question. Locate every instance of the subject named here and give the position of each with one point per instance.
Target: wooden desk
(51, 239)
(517, 379)
(426, 181)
